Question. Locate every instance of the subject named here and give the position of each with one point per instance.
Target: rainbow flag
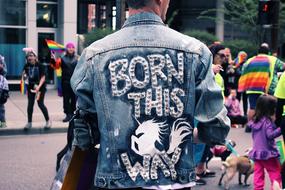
(241, 58)
(23, 86)
(54, 46)
(58, 73)
(256, 75)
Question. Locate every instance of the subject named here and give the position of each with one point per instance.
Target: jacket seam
(142, 45)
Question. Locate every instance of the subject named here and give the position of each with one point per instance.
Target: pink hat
(70, 45)
(29, 50)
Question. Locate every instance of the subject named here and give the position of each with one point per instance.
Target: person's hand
(52, 55)
(195, 136)
(217, 68)
(37, 89)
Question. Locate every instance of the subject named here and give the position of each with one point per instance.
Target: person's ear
(159, 2)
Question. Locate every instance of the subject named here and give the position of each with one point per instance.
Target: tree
(97, 34)
(242, 14)
(203, 36)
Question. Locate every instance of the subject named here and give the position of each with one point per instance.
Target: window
(13, 12)
(12, 41)
(114, 14)
(103, 15)
(47, 15)
(86, 17)
(47, 0)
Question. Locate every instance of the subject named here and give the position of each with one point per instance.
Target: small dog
(233, 164)
(220, 151)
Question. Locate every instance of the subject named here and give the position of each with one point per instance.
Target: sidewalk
(16, 115)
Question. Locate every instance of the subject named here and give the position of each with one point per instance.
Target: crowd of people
(254, 81)
(34, 82)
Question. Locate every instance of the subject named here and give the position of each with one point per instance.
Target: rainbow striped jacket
(257, 74)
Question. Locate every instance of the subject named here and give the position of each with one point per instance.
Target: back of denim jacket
(146, 83)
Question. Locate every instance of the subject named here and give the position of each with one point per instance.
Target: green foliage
(235, 45)
(171, 19)
(243, 15)
(203, 36)
(98, 34)
(239, 13)
(282, 21)
(241, 45)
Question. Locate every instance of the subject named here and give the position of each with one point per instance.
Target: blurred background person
(234, 111)
(239, 62)
(67, 63)
(259, 76)
(219, 58)
(228, 72)
(3, 72)
(280, 109)
(35, 74)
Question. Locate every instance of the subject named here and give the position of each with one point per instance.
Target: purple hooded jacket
(263, 134)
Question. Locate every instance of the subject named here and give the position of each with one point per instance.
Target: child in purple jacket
(264, 152)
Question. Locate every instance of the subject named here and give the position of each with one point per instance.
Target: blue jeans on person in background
(198, 148)
(198, 152)
(2, 113)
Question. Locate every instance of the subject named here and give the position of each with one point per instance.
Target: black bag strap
(91, 122)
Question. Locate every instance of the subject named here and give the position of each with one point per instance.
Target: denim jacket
(147, 83)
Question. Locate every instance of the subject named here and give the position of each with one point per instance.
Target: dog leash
(231, 148)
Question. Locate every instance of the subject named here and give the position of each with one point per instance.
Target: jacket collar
(143, 18)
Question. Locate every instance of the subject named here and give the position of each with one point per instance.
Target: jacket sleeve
(82, 82)
(210, 112)
(4, 70)
(272, 131)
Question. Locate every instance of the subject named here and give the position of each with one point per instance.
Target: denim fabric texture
(147, 83)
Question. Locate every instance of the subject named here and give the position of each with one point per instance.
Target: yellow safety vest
(280, 89)
(220, 81)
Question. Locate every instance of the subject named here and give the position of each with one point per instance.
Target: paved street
(28, 162)
(243, 141)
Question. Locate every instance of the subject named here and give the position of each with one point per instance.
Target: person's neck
(70, 54)
(144, 9)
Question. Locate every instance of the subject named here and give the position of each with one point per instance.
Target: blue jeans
(2, 113)
(198, 152)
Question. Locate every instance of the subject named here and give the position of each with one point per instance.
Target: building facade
(27, 23)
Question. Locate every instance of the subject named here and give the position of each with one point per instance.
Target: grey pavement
(27, 162)
(16, 114)
(244, 142)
